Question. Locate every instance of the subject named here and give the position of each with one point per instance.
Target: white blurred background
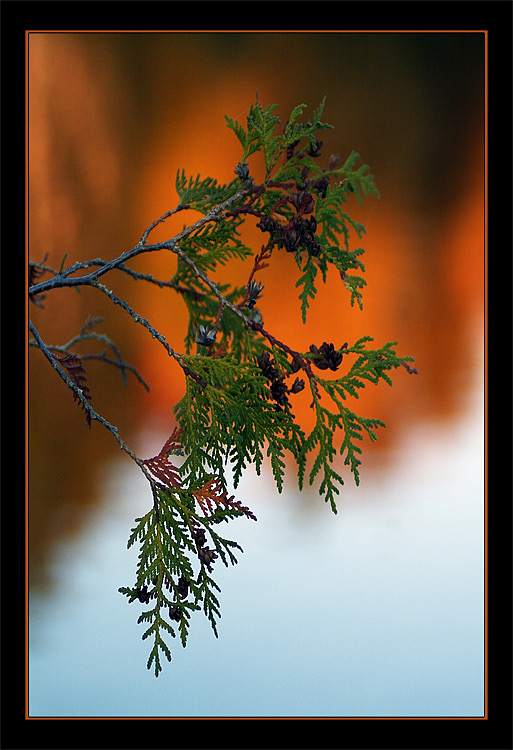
(378, 611)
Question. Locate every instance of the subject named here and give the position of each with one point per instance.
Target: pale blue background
(377, 611)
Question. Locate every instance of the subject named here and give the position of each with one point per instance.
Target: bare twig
(160, 220)
(101, 356)
(120, 365)
(223, 210)
(85, 403)
(154, 333)
(63, 279)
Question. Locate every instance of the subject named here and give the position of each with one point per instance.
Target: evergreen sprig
(202, 194)
(240, 379)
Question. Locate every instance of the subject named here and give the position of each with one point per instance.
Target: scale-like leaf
(240, 380)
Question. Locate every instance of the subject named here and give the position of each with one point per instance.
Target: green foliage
(168, 534)
(200, 194)
(240, 380)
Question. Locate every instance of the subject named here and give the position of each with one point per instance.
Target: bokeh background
(377, 611)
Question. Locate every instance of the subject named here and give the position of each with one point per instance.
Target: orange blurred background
(112, 117)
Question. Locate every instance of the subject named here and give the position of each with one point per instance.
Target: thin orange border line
(257, 31)
(277, 718)
(485, 384)
(26, 385)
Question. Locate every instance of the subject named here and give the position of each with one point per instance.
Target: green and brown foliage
(240, 379)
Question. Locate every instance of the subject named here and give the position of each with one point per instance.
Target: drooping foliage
(240, 380)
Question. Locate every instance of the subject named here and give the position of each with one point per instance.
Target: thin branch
(215, 214)
(121, 267)
(247, 321)
(154, 333)
(85, 403)
(159, 282)
(102, 356)
(63, 280)
(120, 365)
(160, 220)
